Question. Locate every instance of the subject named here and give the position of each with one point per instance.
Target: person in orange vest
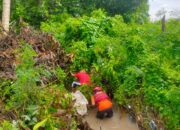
(102, 102)
(83, 78)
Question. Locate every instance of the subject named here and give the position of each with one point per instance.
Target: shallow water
(120, 121)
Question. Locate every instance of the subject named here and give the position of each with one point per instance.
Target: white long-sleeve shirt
(80, 102)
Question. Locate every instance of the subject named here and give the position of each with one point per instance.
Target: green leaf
(39, 124)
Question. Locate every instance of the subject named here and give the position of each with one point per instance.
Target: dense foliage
(139, 63)
(128, 56)
(36, 11)
(127, 9)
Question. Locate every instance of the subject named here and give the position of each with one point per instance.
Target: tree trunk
(163, 24)
(6, 15)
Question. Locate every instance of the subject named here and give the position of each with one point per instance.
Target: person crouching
(80, 101)
(102, 102)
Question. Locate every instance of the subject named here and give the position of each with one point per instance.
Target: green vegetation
(36, 11)
(138, 62)
(33, 103)
(124, 52)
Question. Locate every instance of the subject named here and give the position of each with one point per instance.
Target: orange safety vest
(105, 104)
(102, 104)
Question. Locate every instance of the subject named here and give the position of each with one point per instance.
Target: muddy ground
(120, 121)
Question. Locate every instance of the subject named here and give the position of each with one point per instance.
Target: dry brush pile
(49, 51)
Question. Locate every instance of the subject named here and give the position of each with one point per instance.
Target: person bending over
(83, 78)
(80, 102)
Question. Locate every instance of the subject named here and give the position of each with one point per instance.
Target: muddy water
(120, 121)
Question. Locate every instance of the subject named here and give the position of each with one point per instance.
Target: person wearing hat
(80, 102)
(102, 102)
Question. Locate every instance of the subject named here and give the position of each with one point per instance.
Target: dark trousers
(105, 113)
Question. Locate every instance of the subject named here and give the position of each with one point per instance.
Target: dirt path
(120, 121)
